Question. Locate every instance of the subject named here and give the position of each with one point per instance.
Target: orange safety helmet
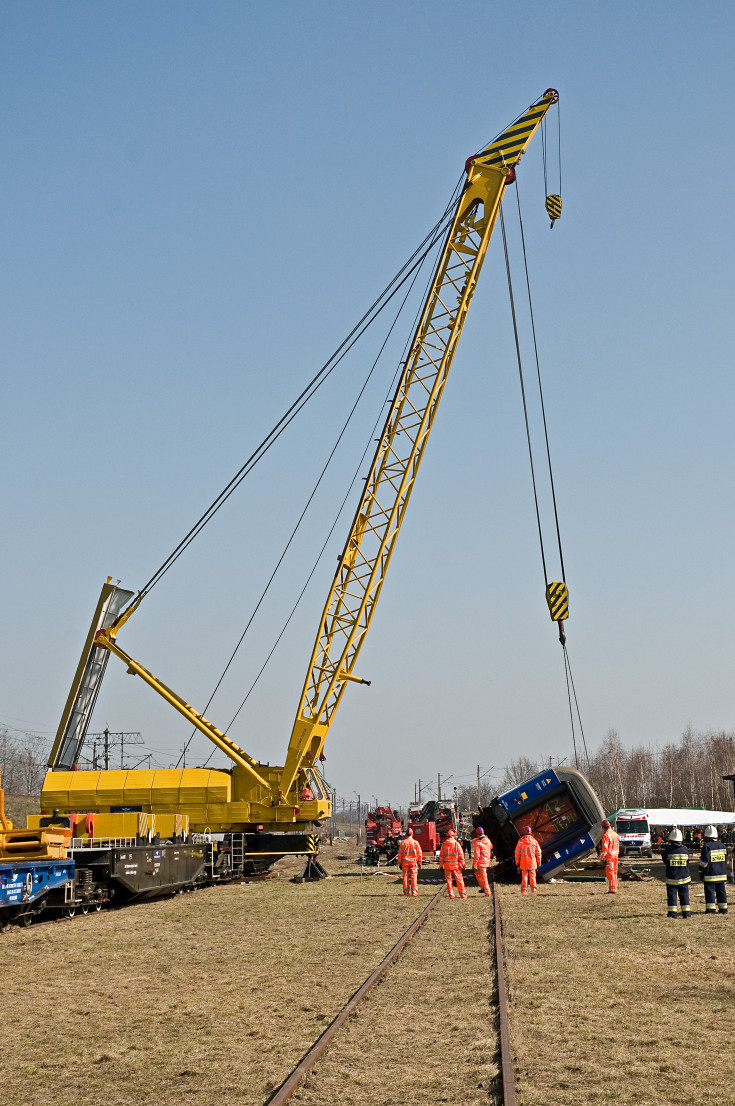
(605, 823)
(409, 832)
(451, 833)
(526, 829)
(480, 831)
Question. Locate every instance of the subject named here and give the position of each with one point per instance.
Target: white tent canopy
(682, 816)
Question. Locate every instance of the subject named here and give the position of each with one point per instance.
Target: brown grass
(612, 1002)
(426, 1033)
(212, 998)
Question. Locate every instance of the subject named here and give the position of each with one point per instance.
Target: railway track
(294, 1081)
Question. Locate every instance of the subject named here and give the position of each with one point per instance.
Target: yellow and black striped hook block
(557, 597)
(553, 208)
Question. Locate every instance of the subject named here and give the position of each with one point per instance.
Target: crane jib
(364, 561)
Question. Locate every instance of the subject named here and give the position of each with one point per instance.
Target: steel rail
(506, 1055)
(300, 1072)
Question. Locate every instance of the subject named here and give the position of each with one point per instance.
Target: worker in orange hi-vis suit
(410, 858)
(482, 851)
(451, 859)
(528, 859)
(609, 856)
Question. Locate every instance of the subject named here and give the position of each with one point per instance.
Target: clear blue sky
(198, 202)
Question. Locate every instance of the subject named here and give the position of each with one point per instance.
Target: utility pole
(478, 786)
(439, 787)
(419, 791)
(359, 818)
(107, 747)
(94, 757)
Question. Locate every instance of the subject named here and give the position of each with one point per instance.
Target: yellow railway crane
(252, 797)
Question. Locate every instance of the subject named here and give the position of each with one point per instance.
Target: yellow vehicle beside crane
(251, 798)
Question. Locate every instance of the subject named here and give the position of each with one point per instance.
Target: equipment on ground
(433, 820)
(383, 830)
(258, 803)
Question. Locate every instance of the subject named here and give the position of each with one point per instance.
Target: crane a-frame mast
(377, 522)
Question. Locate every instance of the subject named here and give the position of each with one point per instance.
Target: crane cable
(571, 690)
(297, 525)
(552, 201)
(404, 273)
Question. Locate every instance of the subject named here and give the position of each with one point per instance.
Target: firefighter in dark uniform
(713, 872)
(676, 858)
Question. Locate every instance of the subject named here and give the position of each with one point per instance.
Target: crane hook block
(553, 208)
(557, 597)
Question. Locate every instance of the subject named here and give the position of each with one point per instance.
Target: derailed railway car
(563, 812)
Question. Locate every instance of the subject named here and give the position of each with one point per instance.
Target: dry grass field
(211, 999)
(426, 1033)
(612, 1002)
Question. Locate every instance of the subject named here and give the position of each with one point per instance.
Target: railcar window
(551, 819)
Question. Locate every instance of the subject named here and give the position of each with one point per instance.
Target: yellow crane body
(252, 796)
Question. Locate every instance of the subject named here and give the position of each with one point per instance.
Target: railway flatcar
(563, 812)
(66, 864)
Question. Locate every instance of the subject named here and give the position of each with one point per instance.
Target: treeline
(22, 762)
(683, 773)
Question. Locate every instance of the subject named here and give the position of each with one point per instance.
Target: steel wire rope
(544, 147)
(341, 508)
(570, 680)
(300, 520)
(540, 389)
(307, 393)
(523, 393)
(571, 690)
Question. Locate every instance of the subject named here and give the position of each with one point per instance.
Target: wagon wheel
(25, 920)
(85, 908)
(69, 911)
(98, 906)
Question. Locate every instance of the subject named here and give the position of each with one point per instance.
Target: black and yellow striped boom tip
(508, 149)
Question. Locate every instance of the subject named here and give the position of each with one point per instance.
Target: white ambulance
(634, 831)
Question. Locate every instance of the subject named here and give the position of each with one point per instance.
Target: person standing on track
(676, 858)
(713, 872)
(609, 856)
(528, 859)
(409, 859)
(481, 854)
(451, 859)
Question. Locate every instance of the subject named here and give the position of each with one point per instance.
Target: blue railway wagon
(563, 812)
(27, 887)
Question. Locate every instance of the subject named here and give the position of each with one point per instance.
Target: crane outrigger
(254, 798)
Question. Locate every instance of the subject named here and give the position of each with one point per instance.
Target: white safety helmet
(675, 836)
(711, 832)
